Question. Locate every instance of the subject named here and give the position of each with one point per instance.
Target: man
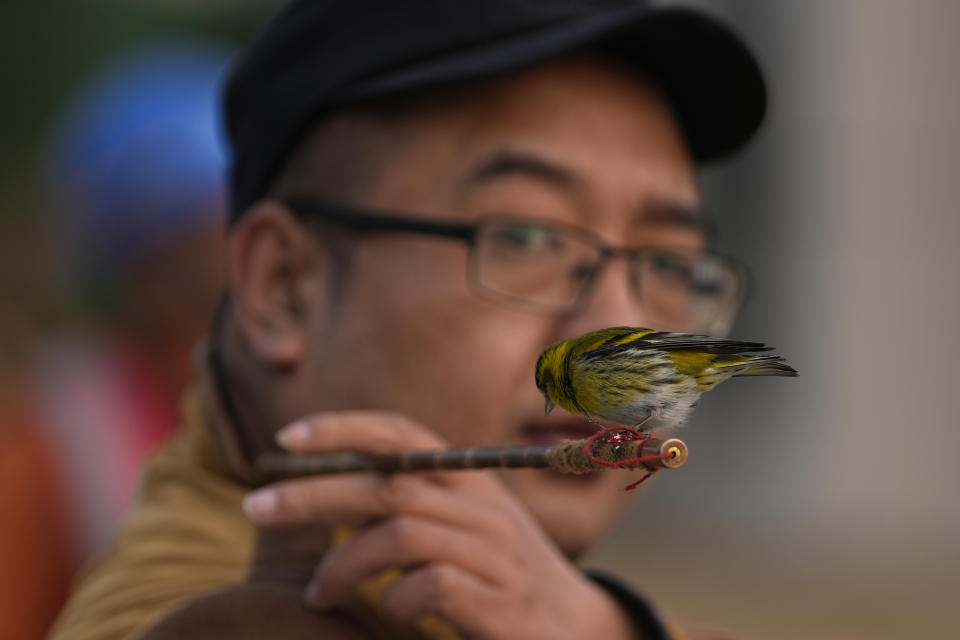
(426, 194)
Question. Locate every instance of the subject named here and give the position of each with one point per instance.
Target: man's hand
(472, 552)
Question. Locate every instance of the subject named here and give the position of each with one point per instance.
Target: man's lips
(551, 431)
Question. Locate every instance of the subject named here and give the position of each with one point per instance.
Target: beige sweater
(186, 535)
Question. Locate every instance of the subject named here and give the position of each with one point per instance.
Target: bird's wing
(604, 337)
(666, 341)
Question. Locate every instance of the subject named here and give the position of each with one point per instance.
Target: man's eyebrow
(678, 215)
(505, 163)
(509, 162)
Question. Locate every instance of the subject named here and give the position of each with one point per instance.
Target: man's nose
(612, 301)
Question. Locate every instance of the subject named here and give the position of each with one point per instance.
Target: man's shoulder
(185, 535)
(284, 616)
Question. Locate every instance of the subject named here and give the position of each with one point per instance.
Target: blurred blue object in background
(132, 183)
(136, 160)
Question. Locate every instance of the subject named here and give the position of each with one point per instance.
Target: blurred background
(829, 506)
(826, 506)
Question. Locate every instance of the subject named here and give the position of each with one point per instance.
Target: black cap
(319, 55)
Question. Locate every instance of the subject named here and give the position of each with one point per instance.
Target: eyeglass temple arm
(365, 221)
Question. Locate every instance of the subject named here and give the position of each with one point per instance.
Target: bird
(631, 375)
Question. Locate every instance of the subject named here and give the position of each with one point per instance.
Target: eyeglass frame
(363, 220)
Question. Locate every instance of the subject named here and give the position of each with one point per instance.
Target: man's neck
(241, 388)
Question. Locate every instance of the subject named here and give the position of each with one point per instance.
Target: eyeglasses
(549, 267)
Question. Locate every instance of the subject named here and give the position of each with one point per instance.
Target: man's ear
(275, 273)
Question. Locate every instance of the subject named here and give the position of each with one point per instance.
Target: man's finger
(375, 432)
(405, 541)
(362, 497)
(370, 431)
(448, 591)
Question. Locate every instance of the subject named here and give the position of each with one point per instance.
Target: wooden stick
(568, 457)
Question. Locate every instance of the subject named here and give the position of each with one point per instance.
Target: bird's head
(549, 371)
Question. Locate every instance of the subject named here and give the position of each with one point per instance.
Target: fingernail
(294, 435)
(260, 504)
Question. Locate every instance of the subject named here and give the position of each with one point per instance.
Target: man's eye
(525, 236)
(672, 265)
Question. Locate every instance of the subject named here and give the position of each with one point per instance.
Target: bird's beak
(548, 407)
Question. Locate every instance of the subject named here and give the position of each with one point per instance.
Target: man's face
(574, 141)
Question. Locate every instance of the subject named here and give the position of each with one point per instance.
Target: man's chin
(576, 511)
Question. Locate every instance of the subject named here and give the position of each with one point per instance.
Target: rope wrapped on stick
(616, 447)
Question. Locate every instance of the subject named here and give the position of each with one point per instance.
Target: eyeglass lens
(539, 265)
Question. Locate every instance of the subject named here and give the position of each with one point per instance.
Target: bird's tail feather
(767, 366)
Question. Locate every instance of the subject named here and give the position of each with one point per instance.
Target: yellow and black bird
(629, 375)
